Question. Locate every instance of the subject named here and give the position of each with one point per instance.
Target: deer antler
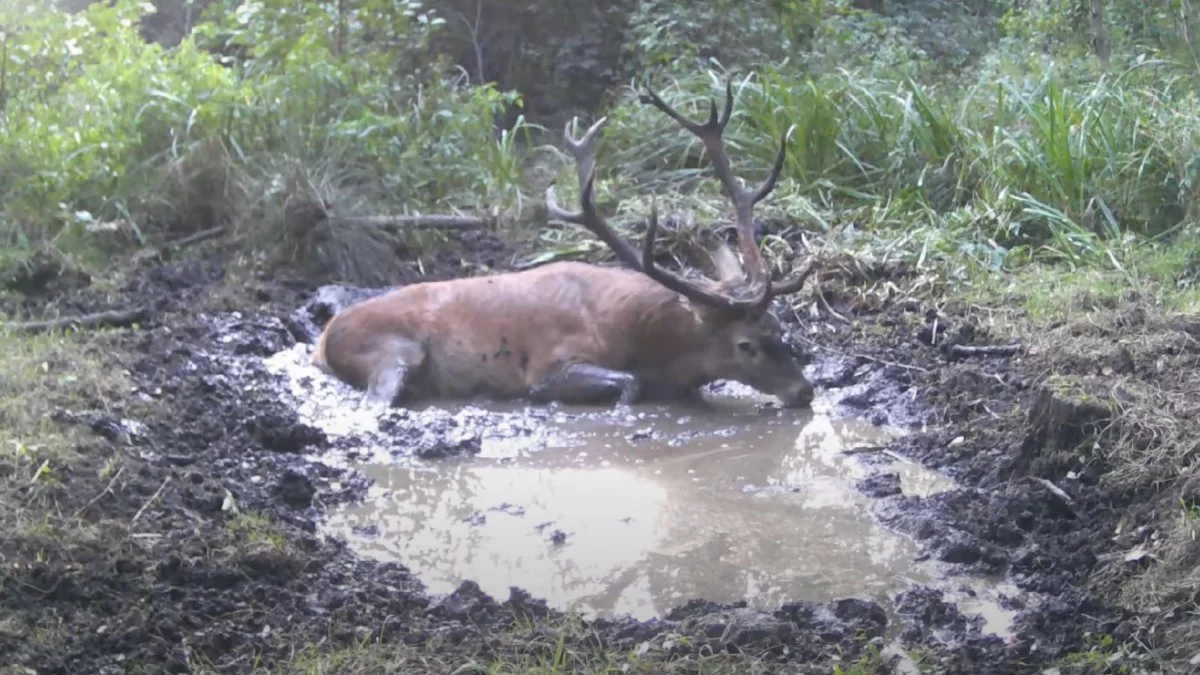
(584, 151)
(710, 134)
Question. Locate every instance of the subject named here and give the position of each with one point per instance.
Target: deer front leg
(586, 383)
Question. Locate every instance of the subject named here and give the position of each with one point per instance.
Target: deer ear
(729, 270)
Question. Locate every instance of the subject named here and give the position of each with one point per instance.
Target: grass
(550, 650)
(47, 521)
(40, 376)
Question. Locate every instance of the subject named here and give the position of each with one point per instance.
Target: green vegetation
(931, 132)
(551, 652)
(559, 648)
(1035, 160)
(108, 138)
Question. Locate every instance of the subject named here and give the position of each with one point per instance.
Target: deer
(582, 333)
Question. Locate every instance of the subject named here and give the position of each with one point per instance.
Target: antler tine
(714, 124)
(764, 188)
(793, 283)
(651, 231)
(583, 150)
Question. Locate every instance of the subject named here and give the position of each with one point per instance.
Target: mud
(211, 436)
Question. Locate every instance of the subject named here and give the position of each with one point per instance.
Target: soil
(192, 587)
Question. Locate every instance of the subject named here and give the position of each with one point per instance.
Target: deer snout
(798, 395)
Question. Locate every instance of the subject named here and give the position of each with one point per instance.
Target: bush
(98, 121)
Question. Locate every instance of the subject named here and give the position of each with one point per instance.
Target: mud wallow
(158, 516)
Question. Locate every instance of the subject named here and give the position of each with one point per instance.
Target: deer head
(746, 340)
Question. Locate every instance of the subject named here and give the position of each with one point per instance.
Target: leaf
(1136, 554)
(229, 504)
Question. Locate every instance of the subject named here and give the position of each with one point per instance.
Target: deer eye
(745, 346)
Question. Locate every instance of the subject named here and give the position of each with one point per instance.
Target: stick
(184, 242)
(1058, 492)
(106, 490)
(194, 238)
(864, 449)
(116, 318)
(964, 351)
(150, 501)
(825, 302)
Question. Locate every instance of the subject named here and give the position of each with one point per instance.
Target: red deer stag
(580, 333)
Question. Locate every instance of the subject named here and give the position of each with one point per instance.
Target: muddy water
(611, 512)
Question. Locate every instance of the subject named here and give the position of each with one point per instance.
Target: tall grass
(1042, 161)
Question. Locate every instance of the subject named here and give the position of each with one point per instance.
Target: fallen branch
(116, 318)
(429, 222)
(965, 351)
(182, 242)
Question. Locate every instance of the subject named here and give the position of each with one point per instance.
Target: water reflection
(763, 511)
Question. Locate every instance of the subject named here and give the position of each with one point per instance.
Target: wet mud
(213, 438)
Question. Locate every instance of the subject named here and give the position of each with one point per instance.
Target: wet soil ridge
(204, 553)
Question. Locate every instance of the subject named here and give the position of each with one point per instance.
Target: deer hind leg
(391, 363)
(587, 383)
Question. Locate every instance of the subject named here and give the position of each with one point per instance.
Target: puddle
(609, 512)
